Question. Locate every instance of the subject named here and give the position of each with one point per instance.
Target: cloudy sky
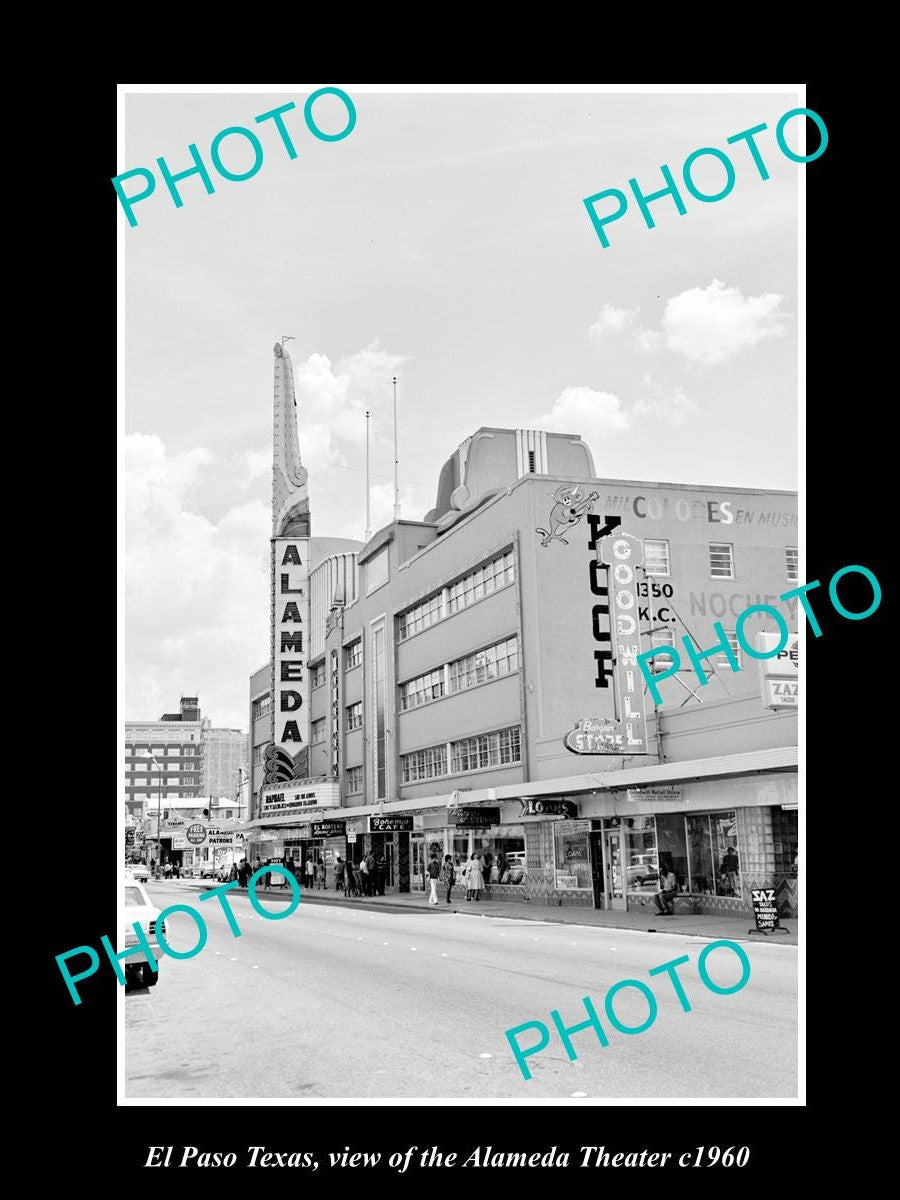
(444, 241)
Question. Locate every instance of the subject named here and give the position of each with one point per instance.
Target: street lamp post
(158, 808)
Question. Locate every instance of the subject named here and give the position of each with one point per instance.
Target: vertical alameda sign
(623, 553)
(290, 707)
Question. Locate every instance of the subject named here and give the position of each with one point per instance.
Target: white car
(139, 870)
(139, 909)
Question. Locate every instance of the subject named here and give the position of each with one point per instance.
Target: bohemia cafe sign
(290, 719)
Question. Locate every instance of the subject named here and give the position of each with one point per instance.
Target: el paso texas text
(435, 1157)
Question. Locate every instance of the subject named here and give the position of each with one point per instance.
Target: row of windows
(490, 663)
(157, 781)
(500, 748)
(144, 751)
(481, 582)
(721, 559)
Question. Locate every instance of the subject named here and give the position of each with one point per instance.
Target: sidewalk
(736, 929)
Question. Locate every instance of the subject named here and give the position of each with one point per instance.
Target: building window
(656, 556)
(722, 661)
(423, 764)
(259, 754)
(485, 750)
(261, 708)
(422, 689)
(662, 661)
(531, 461)
(377, 571)
(482, 581)
(353, 655)
(721, 560)
(792, 559)
(317, 732)
(354, 715)
(353, 779)
(490, 663)
(414, 620)
(317, 675)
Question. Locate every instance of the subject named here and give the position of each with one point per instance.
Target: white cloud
(581, 410)
(610, 321)
(197, 592)
(712, 324)
(663, 403)
(332, 400)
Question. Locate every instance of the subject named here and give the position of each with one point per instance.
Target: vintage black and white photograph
(463, 594)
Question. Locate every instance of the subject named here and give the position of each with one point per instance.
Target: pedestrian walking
(365, 874)
(349, 880)
(310, 873)
(667, 890)
(448, 875)
(474, 878)
(338, 874)
(434, 874)
(358, 885)
(320, 875)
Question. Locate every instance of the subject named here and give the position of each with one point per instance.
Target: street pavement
(349, 1002)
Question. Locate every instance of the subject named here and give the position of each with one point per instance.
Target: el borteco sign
(474, 818)
(290, 609)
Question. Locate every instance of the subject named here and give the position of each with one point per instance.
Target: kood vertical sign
(623, 554)
(290, 707)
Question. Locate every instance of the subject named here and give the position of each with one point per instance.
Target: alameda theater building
(467, 682)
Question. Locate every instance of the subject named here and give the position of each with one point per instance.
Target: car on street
(209, 871)
(140, 910)
(139, 871)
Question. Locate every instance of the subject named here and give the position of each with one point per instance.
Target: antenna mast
(368, 492)
(396, 460)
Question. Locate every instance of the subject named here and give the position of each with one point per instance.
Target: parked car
(139, 871)
(209, 871)
(139, 909)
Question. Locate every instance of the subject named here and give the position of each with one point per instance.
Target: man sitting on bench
(666, 892)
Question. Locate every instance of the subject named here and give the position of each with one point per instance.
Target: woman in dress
(474, 878)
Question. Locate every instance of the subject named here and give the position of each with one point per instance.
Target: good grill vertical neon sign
(622, 554)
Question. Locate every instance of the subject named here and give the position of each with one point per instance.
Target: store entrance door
(615, 883)
(403, 862)
(417, 862)
(598, 875)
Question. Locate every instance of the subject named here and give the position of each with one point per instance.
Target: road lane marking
(579, 1094)
(485, 1056)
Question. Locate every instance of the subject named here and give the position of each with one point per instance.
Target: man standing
(371, 875)
(666, 892)
(434, 871)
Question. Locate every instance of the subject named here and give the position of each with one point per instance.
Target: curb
(528, 915)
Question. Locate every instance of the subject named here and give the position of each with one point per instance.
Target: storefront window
(573, 858)
(725, 853)
(641, 862)
(672, 845)
(700, 854)
(502, 850)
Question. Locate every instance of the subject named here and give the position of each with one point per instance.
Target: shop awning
(779, 758)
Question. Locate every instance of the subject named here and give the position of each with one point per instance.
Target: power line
(361, 471)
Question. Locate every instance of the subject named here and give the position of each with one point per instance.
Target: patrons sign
(780, 675)
(535, 806)
(400, 824)
(473, 818)
(764, 909)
